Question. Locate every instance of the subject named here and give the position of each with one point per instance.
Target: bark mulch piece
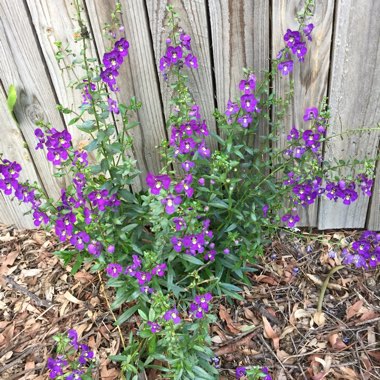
(276, 325)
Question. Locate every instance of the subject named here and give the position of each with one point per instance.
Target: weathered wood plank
(194, 22)
(22, 65)
(55, 21)
(354, 99)
(310, 77)
(12, 145)
(137, 78)
(240, 36)
(373, 214)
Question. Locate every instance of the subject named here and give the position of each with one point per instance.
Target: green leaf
(129, 227)
(230, 287)
(118, 358)
(218, 203)
(73, 121)
(88, 126)
(217, 138)
(131, 125)
(142, 315)
(192, 259)
(127, 314)
(11, 99)
(91, 146)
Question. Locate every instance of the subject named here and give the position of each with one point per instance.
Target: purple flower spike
(244, 120)
(174, 54)
(247, 86)
(156, 183)
(113, 106)
(79, 239)
(294, 134)
(173, 315)
(300, 50)
(159, 270)
(73, 336)
(285, 67)
(292, 37)
(290, 219)
(307, 31)
(184, 185)
(122, 46)
(112, 59)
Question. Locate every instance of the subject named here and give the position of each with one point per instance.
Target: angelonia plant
(187, 240)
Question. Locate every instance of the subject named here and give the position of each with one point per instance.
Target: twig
(289, 376)
(25, 291)
(102, 289)
(25, 353)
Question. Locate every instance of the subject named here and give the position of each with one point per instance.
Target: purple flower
(146, 289)
(307, 31)
(179, 223)
(184, 185)
(240, 372)
(310, 113)
(244, 120)
(171, 201)
(159, 270)
(203, 300)
(156, 183)
(248, 102)
(187, 165)
(265, 209)
(173, 315)
(226, 251)
(154, 327)
(112, 59)
(191, 61)
(113, 106)
(232, 108)
(111, 248)
(114, 270)
(39, 217)
(164, 63)
(201, 181)
(247, 86)
(185, 40)
(294, 134)
(177, 243)
(80, 158)
(73, 336)
(109, 76)
(79, 239)
(187, 145)
(292, 37)
(122, 46)
(285, 67)
(75, 375)
(196, 311)
(203, 150)
(290, 219)
(300, 50)
(143, 277)
(174, 54)
(56, 366)
(210, 255)
(311, 139)
(86, 354)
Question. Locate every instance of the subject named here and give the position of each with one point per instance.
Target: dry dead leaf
(336, 342)
(266, 279)
(319, 318)
(72, 299)
(271, 334)
(354, 309)
(224, 316)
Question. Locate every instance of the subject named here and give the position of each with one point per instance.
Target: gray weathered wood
(137, 78)
(310, 77)
(354, 99)
(56, 21)
(193, 22)
(373, 214)
(21, 64)
(14, 149)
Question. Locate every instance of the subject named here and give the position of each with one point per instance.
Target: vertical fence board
(13, 148)
(22, 65)
(373, 214)
(137, 78)
(55, 21)
(310, 77)
(194, 22)
(354, 95)
(240, 35)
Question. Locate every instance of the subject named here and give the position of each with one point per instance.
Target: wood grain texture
(193, 21)
(373, 214)
(240, 36)
(137, 78)
(310, 77)
(354, 100)
(56, 21)
(12, 145)
(21, 64)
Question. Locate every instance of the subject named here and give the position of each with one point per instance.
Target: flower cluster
(296, 45)
(365, 252)
(57, 144)
(179, 54)
(259, 373)
(248, 103)
(65, 365)
(112, 62)
(200, 306)
(10, 185)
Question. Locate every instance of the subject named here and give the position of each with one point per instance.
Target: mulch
(276, 325)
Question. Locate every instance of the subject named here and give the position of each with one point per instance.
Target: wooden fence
(343, 63)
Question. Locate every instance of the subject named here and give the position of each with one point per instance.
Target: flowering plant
(172, 250)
